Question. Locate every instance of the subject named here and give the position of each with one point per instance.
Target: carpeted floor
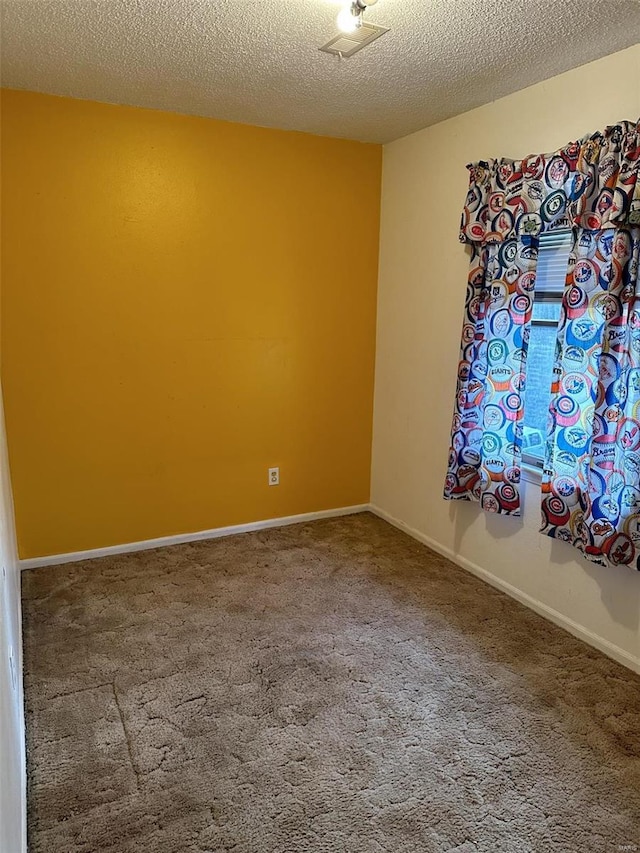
(333, 687)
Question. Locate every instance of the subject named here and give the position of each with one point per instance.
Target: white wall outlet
(274, 476)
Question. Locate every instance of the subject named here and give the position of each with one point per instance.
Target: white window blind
(553, 260)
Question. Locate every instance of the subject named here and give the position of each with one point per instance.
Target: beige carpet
(333, 687)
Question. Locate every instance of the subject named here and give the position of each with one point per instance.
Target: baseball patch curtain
(591, 476)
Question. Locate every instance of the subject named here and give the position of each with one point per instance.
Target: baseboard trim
(182, 538)
(604, 646)
(607, 648)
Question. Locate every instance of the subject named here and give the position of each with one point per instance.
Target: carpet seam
(126, 734)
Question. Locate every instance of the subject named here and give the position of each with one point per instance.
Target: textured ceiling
(256, 61)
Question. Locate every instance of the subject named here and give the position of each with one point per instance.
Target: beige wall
(422, 283)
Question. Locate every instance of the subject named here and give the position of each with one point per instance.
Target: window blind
(553, 259)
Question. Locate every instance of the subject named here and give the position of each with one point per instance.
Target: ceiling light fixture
(350, 16)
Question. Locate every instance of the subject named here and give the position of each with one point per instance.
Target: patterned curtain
(484, 458)
(591, 483)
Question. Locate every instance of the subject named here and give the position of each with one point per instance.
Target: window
(553, 259)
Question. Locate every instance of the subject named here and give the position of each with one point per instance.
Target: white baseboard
(544, 610)
(181, 538)
(604, 646)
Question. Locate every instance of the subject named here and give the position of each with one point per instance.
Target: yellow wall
(186, 302)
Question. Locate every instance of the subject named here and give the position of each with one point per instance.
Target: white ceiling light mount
(355, 33)
(350, 16)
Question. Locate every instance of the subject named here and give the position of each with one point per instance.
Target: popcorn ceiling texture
(333, 687)
(256, 61)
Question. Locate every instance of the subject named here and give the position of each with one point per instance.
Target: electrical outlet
(274, 476)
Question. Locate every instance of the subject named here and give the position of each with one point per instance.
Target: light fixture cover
(347, 44)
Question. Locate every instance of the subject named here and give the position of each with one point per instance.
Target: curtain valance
(593, 183)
